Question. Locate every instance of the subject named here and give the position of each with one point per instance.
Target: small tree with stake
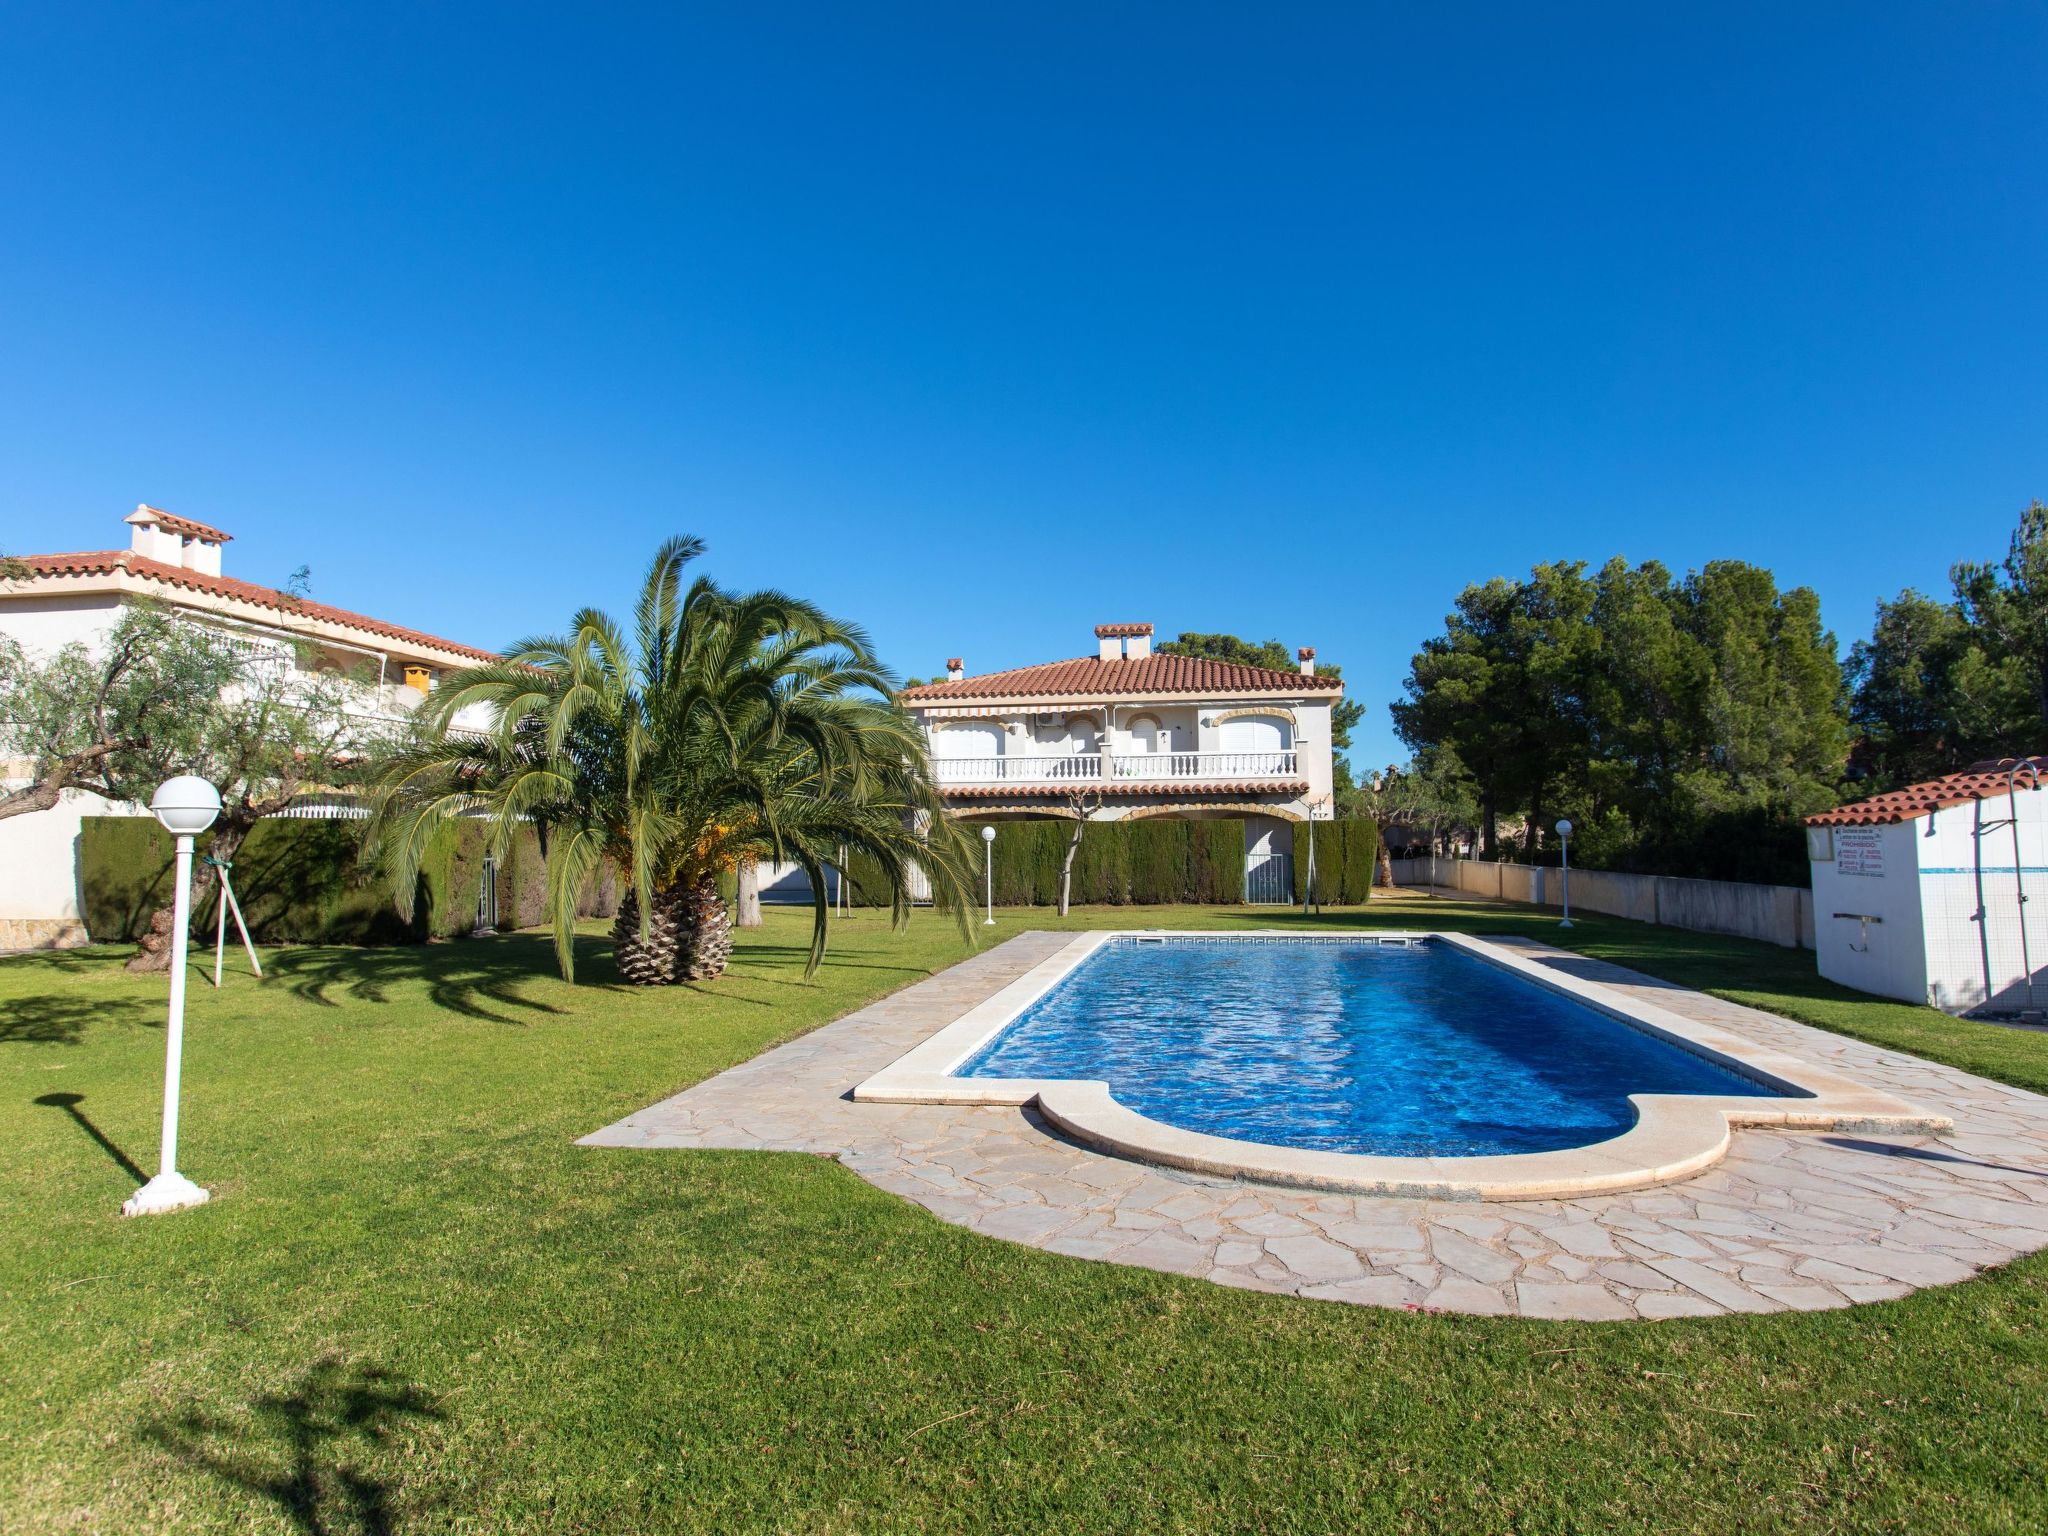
(1081, 805)
(273, 733)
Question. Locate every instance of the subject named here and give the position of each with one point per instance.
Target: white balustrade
(1083, 767)
(1098, 767)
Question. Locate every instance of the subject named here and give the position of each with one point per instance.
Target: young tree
(283, 725)
(1081, 804)
(1430, 792)
(116, 719)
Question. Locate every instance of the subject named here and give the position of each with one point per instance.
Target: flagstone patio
(1786, 1221)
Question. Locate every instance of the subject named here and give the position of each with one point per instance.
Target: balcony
(1082, 770)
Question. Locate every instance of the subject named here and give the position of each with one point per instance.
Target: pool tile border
(1675, 1136)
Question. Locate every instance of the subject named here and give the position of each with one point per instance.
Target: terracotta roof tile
(1092, 677)
(1979, 781)
(1121, 631)
(1126, 789)
(104, 561)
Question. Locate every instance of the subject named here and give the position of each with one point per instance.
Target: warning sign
(1859, 851)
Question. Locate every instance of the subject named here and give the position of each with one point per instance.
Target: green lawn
(414, 1305)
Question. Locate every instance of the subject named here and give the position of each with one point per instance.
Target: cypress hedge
(1154, 861)
(302, 882)
(1158, 860)
(1346, 851)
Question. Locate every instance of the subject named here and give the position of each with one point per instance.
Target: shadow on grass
(69, 1102)
(66, 962)
(59, 1018)
(795, 956)
(481, 978)
(306, 1449)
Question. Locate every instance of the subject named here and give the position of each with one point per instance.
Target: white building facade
(1128, 732)
(57, 600)
(1938, 893)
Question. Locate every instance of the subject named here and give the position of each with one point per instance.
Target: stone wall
(1775, 914)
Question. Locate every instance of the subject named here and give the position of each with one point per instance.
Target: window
(1255, 733)
(982, 739)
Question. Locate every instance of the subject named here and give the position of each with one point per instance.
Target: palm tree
(731, 726)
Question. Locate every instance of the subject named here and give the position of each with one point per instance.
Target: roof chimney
(1119, 641)
(955, 669)
(175, 540)
(1307, 657)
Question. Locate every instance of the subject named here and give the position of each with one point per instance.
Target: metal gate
(1269, 879)
(487, 898)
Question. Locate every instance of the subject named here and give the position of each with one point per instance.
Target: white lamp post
(1564, 839)
(988, 872)
(186, 806)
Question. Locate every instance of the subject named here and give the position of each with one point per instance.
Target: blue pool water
(1345, 1047)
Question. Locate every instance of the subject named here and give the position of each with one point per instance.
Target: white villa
(56, 600)
(1127, 732)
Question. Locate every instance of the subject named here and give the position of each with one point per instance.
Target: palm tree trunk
(707, 925)
(748, 880)
(689, 936)
(649, 961)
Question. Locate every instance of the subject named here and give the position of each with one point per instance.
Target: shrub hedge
(1142, 863)
(302, 882)
(1346, 852)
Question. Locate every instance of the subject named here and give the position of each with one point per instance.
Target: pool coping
(1675, 1135)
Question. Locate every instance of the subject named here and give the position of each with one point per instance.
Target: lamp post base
(165, 1192)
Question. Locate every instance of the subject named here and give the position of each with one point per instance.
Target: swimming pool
(1414, 1049)
(1428, 1065)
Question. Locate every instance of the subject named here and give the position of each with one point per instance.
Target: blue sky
(981, 326)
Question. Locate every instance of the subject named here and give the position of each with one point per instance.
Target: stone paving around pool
(1787, 1221)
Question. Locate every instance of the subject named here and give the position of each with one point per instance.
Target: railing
(339, 805)
(1103, 767)
(327, 807)
(1205, 765)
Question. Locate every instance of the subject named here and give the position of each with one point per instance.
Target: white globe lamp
(186, 805)
(988, 873)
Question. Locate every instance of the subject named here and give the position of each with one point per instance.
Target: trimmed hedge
(1346, 852)
(301, 882)
(1155, 861)
(1158, 857)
